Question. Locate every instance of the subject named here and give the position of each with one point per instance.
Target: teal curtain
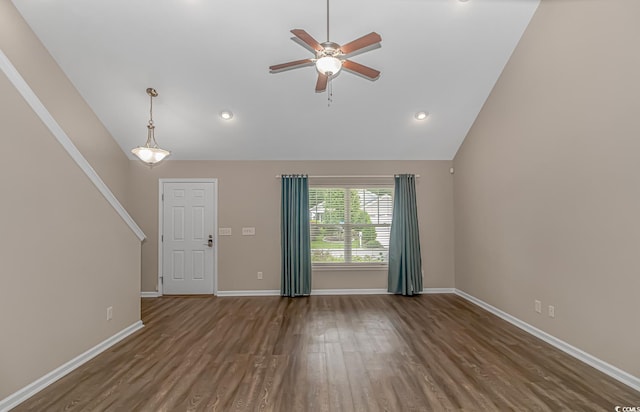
(296, 241)
(405, 262)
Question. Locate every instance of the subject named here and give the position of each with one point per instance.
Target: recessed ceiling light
(463, 1)
(421, 115)
(226, 114)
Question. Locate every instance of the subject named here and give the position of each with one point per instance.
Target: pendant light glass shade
(150, 153)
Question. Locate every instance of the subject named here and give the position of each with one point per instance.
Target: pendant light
(150, 153)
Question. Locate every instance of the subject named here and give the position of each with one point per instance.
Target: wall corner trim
(604, 367)
(28, 391)
(36, 105)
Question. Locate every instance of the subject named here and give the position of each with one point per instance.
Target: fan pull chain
(330, 92)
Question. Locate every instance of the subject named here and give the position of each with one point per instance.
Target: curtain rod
(350, 176)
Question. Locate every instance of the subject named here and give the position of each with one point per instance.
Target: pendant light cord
(151, 136)
(151, 110)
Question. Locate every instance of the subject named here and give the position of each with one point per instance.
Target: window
(350, 226)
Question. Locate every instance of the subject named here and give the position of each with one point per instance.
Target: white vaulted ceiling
(205, 56)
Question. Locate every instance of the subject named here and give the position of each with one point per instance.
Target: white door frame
(161, 182)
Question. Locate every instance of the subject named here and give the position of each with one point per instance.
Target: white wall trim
(326, 292)
(30, 97)
(432, 291)
(149, 294)
(223, 293)
(314, 292)
(602, 366)
(28, 391)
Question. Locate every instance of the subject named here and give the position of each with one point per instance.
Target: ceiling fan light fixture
(226, 115)
(328, 65)
(150, 153)
(421, 115)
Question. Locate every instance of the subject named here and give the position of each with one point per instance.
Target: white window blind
(350, 225)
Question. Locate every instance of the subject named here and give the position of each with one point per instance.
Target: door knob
(210, 241)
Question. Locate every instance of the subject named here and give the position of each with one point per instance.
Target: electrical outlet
(248, 231)
(110, 313)
(537, 305)
(224, 231)
(259, 275)
(552, 311)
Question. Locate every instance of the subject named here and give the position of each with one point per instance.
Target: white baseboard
(317, 292)
(149, 294)
(599, 364)
(426, 291)
(321, 292)
(223, 293)
(430, 291)
(28, 391)
(327, 292)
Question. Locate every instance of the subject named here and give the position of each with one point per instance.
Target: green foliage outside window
(342, 230)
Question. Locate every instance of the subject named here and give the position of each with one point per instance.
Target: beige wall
(249, 195)
(66, 255)
(547, 182)
(62, 100)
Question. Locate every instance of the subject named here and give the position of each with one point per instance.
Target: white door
(188, 237)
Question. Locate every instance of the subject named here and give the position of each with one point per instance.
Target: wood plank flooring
(330, 353)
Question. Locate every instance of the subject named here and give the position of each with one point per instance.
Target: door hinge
(162, 238)
(161, 280)
(163, 197)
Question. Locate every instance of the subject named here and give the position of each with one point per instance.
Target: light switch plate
(224, 231)
(248, 231)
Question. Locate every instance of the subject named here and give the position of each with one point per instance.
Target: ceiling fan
(331, 57)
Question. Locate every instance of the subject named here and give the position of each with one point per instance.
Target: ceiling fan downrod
(327, 21)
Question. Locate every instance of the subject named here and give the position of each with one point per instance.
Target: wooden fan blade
(362, 42)
(306, 37)
(290, 65)
(361, 69)
(321, 84)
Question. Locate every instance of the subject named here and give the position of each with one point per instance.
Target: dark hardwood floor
(330, 353)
